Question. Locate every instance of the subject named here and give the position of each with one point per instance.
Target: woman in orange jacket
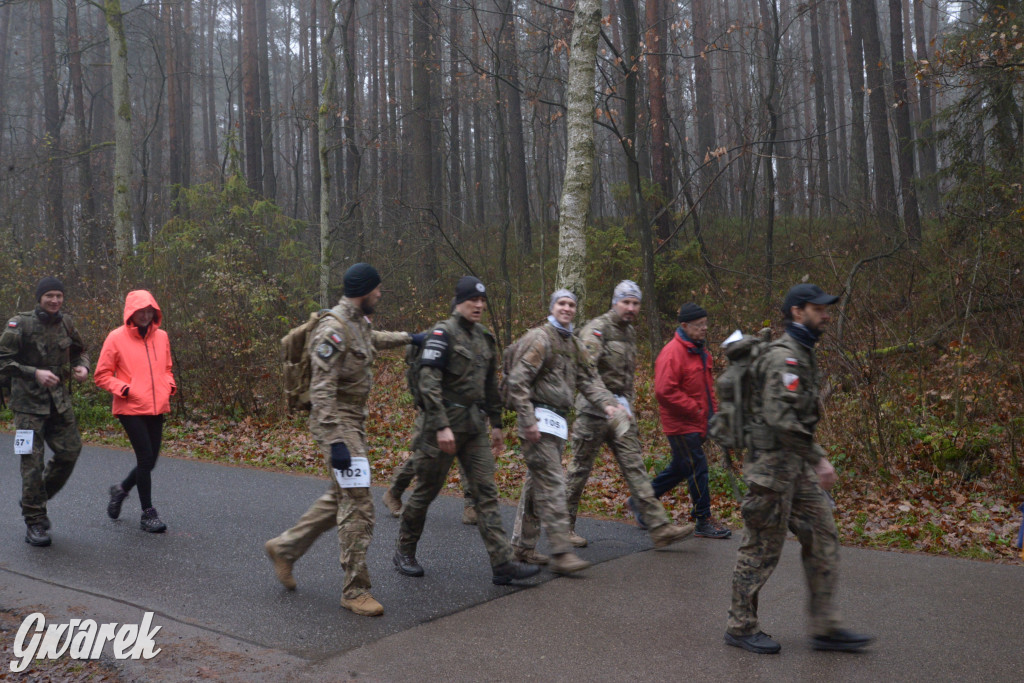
(135, 366)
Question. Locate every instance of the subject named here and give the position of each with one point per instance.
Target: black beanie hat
(48, 284)
(690, 312)
(467, 288)
(360, 280)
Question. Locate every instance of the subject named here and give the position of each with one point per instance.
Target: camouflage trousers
(41, 480)
(350, 510)
(543, 497)
(804, 509)
(431, 465)
(404, 473)
(589, 433)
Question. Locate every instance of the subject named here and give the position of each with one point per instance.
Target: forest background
(234, 156)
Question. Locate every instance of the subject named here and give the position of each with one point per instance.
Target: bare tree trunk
(704, 95)
(122, 210)
(353, 208)
(860, 188)
(901, 115)
(54, 198)
(928, 161)
(327, 118)
(771, 45)
(422, 144)
(92, 237)
(170, 13)
(266, 110)
(820, 120)
(312, 97)
(5, 30)
(251, 98)
(510, 98)
(661, 150)
(579, 163)
(454, 129)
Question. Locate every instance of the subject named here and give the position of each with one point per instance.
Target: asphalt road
(658, 615)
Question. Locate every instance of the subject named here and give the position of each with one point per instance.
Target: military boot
(36, 534)
(577, 540)
(508, 572)
(151, 522)
(393, 503)
(282, 567)
(531, 556)
(469, 515)
(407, 564)
(670, 533)
(568, 563)
(364, 605)
(117, 496)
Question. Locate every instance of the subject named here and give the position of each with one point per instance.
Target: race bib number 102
(23, 439)
(550, 422)
(357, 476)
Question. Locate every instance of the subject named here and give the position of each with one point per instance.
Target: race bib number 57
(550, 422)
(23, 439)
(357, 476)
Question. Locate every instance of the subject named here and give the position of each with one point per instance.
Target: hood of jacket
(136, 301)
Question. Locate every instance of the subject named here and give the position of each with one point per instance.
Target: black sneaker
(842, 640)
(407, 564)
(636, 514)
(151, 522)
(117, 496)
(508, 572)
(760, 643)
(709, 528)
(35, 534)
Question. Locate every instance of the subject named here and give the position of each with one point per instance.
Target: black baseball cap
(806, 293)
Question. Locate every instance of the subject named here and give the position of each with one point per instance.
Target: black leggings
(145, 433)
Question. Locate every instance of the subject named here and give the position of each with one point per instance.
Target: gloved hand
(341, 459)
(418, 338)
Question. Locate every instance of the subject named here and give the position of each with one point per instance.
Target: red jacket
(142, 365)
(684, 387)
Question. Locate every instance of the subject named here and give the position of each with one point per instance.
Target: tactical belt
(557, 411)
(452, 404)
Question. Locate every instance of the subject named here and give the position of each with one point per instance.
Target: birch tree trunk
(122, 210)
(579, 162)
(327, 120)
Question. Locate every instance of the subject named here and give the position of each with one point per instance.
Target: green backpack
(735, 387)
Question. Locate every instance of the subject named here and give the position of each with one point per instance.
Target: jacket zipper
(152, 381)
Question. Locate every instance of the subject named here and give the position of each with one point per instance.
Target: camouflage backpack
(509, 357)
(735, 387)
(295, 361)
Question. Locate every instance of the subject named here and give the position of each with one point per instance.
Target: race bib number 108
(550, 422)
(23, 439)
(357, 476)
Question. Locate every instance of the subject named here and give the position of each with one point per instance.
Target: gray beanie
(562, 294)
(627, 289)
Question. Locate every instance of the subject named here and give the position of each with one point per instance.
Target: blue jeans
(690, 464)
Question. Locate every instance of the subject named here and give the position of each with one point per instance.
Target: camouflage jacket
(341, 355)
(459, 377)
(28, 344)
(551, 367)
(611, 344)
(787, 414)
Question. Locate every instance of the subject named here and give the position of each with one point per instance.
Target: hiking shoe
(36, 534)
(709, 528)
(577, 540)
(508, 572)
(636, 514)
(282, 567)
(469, 515)
(759, 642)
(670, 533)
(531, 556)
(841, 640)
(568, 563)
(151, 522)
(117, 496)
(407, 564)
(393, 503)
(363, 604)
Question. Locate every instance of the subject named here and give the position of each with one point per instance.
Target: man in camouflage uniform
(341, 354)
(787, 474)
(458, 386)
(550, 365)
(39, 351)
(610, 341)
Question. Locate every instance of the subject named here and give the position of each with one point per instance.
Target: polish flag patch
(335, 338)
(792, 361)
(12, 323)
(438, 333)
(597, 333)
(791, 381)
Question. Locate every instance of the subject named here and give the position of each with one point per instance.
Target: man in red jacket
(686, 400)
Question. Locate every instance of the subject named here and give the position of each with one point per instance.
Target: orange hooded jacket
(137, 369)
